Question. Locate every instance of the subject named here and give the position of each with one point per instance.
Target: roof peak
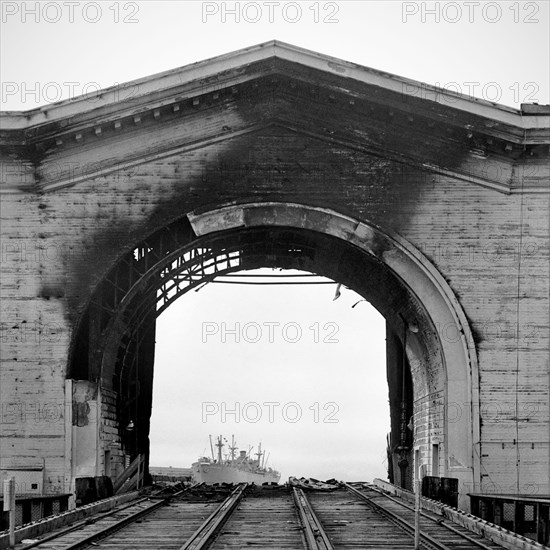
(238, 62)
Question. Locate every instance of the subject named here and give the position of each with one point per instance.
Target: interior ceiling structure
(164, 267)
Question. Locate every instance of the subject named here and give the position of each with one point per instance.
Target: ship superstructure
(233, 468)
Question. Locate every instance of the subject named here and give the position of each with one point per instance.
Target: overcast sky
(497, 51)
(306, 378)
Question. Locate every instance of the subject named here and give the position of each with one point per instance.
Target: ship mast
(219, 444)
(233, 448)
(211, 448)
(259, 454)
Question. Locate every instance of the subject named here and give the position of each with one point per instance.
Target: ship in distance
(232, 467)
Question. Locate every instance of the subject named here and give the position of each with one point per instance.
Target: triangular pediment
(275, 84)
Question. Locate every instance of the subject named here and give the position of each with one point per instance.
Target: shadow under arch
(382, 267)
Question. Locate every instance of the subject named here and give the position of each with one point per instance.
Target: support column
(400, 441)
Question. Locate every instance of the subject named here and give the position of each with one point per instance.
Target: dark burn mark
(81, 413)
(52, 290)
(277, 247)
(306, 149)
(477, 335)
(105, 246)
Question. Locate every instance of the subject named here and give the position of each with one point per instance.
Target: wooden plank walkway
(351, 524)
(267, 518)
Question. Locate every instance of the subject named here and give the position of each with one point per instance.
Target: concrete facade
(433, 206)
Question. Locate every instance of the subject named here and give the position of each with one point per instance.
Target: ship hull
(221, 473)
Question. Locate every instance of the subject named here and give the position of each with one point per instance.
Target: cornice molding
(273, 49)
(292, 127)
(78, 125)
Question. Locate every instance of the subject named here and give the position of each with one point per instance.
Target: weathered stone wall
(35, 338)
(491, 248)
(459, 182)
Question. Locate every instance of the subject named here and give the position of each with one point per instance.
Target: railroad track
(159, 521)
(271, 518)
(435, 533)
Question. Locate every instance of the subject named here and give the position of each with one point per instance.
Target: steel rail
(106, 531)
(119, 524)
(316, 537)
(439, 522)
(204, 535)
(426, 539)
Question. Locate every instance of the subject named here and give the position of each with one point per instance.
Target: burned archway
(111, 346)
(99, 193)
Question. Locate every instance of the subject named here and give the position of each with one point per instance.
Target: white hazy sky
(55, 50)
(322, 367)
(497, 50)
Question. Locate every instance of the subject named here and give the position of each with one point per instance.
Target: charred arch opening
(114, 342)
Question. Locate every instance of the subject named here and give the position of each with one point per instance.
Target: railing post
(9, 506)
(417, 505)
